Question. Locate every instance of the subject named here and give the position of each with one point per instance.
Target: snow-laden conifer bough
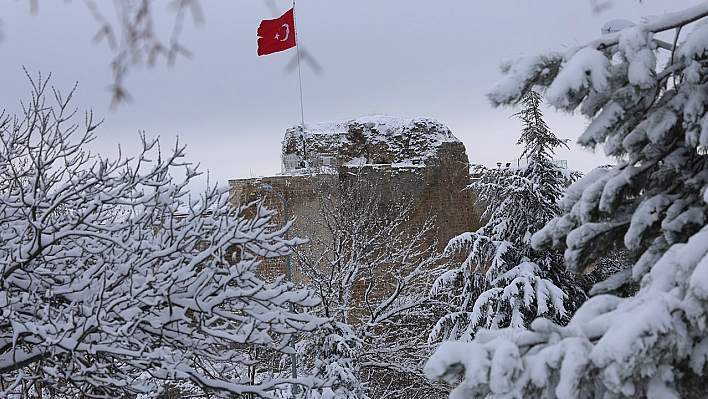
(653, 202)
(114, 281)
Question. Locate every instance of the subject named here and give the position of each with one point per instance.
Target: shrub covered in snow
(334, 353)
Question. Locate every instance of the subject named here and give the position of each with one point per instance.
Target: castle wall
(437, 189)
(301, 198)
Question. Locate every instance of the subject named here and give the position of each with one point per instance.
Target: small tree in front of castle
(503, 281)
(372, 272)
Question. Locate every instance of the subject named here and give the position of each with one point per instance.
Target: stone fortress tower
(417, 160)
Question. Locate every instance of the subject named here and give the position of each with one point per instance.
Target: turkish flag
(276, 34)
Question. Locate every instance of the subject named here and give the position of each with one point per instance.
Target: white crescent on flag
(287, 33)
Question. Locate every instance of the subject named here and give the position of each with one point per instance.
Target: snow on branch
(114, 280)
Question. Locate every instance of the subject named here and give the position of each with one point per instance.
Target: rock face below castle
(371, 140)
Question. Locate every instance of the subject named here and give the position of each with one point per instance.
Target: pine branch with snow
(652, 205)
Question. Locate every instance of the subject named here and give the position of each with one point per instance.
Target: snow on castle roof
(375, 139)
(385, 125)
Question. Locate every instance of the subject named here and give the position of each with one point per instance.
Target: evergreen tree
(504, 281)
(653, 204)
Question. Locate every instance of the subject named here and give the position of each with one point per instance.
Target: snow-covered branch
(114, 280)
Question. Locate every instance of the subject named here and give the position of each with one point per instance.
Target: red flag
(276, 34)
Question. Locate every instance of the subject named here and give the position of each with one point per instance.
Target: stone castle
(416, 160)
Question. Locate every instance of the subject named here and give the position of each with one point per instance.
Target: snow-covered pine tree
(503, 281)
(653, 203)
(115, 283)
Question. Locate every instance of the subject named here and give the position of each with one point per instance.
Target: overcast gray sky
(408, 58)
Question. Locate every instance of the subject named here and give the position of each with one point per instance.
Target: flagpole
(299, 75)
